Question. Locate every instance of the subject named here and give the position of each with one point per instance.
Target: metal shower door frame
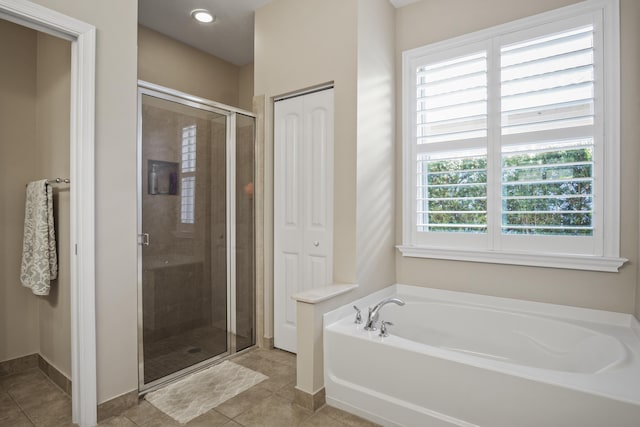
(171, 95)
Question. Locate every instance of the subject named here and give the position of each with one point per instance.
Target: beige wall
(52, 129)
(430, 21)
(630, 105)
(40, 79)
(375, 145)
(19, 331)
(116, 81)
(300, 44)
(173, 64)
(245, 87)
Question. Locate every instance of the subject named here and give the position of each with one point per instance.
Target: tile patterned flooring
(30, 399)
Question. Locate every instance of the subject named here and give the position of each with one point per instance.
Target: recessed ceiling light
(203, 16)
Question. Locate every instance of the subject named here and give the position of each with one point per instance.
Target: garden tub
(460, 359)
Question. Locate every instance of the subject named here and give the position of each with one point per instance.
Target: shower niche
(196, 287)
(162, 178)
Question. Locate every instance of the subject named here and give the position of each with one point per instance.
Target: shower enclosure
(196, 292)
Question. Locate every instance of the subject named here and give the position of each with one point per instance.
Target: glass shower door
(243, 332)
(183, 241)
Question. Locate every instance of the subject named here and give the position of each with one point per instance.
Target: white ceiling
(229, 37)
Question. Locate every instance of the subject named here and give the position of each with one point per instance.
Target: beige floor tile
(243, 401)
(345, 417)
(10, 414)
(288, 392)
(53, 413)
(147, 415)
(209, 419)
(15, 419)
(277, 382)
(31, 377)
(251, 360)
(280, 374)
(118, 421)
(34, 397)
(274, 412)
(320, 419)
(6, 403)
(279, 356)
(43, 403)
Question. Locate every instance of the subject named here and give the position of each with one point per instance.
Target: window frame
(490, 247)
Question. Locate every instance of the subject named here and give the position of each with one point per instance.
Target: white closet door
(303, 205)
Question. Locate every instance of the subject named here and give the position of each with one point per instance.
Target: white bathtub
(459, 359)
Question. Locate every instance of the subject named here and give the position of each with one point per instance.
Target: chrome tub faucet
(374, 313)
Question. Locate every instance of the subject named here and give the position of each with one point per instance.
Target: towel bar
(57, 181)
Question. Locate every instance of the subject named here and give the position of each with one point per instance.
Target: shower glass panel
(245, 298)
(196, 280)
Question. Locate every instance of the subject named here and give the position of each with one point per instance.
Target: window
(511, 143)
(188, 168)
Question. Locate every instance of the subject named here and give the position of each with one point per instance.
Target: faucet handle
(358, 316)
(383, 329)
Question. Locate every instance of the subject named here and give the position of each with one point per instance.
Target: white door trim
(83, 319)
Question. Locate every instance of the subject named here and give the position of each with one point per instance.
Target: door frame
(82, 197)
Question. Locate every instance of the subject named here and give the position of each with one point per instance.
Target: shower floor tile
(168, 355)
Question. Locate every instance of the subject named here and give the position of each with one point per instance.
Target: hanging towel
(39, 257)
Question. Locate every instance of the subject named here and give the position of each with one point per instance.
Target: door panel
(303, 205)
(196, 287)
(183, 211)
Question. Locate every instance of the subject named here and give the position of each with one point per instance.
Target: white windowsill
(572, 262)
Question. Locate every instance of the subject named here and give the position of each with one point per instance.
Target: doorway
(196, 287)
(82, 194)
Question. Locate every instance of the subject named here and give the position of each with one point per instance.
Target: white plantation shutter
(504, 139)
(451, 135)
(452, 99)
(547, 86)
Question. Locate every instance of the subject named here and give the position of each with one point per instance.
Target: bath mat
(198, 393)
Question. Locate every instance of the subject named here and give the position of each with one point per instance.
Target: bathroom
(330, 45)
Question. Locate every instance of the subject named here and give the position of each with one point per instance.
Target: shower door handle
(143, 239)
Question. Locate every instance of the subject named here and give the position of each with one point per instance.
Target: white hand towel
(39, 257)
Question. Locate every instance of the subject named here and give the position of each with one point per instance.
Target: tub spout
(374, 313)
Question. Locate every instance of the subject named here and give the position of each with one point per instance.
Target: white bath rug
(198, 393)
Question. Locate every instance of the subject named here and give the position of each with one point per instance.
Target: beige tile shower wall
(184, 283)
(430, 21)
(52, 128)
(19, 335)
(170, 63)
